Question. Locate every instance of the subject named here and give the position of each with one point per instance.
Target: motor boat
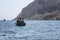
(20, 22)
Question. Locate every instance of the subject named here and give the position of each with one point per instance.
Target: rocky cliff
(42, 10)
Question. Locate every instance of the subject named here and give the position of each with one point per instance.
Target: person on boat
(20, 18)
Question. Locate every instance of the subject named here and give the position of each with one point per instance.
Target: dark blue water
(34, 30)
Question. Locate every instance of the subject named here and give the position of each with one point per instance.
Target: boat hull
(20, 23)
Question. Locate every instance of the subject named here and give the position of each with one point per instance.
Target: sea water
(34, 30)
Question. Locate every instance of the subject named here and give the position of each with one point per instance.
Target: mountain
(42, 10)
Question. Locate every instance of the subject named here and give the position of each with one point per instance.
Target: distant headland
(42, 10)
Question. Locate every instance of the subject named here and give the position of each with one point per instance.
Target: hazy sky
(9, 9)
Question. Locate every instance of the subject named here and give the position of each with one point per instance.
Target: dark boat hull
(20, 23)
